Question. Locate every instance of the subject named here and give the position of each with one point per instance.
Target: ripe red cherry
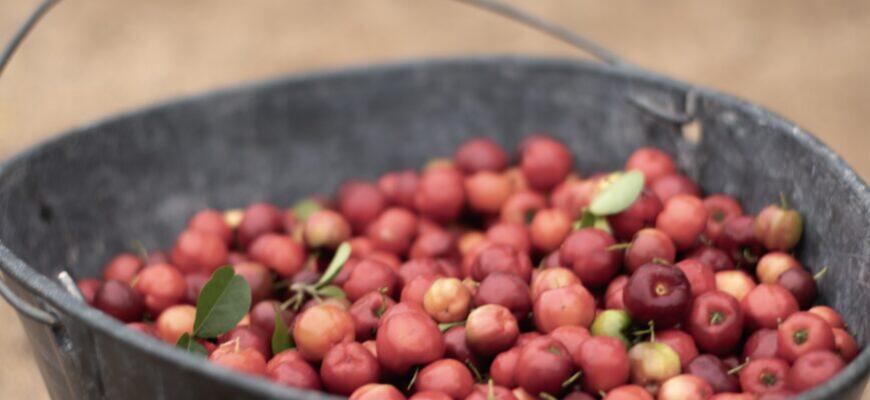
(407, 338)
(122, 268)
(716, 322)
(545, 162)
(586, 252)
(119, 300)
(739, 241)
(767, 305)
(360, 203)
(764, 375)
(504, 366)
(513, 235)
(161, 286)
(574, 195)
(685, 387)
(670, 185)
(830, 315)
(604, 362)
(566, 306)
(648, 245)
(480, 154)
(500, 258)
(240, 359)
(720, 208)
(552, 278)
(347, 367)
(681, 342)
(258, 219)
(366, 313)
(683, 218)
(377, 391)
(249, 337)
(521, 207)
(653, 162)
(711, 369)
(370, 275)
(487, 191)
(393, 230)
(447, 376)
(845, 345)
(440, 194)
(714, 257)
(456, 346)
(435, 243)
(491, 329)
(701, 276)
(801, 284)
(174, 322)
(398, 187)
(641, 214)
(801, 333)
(258, 277)
(613, 297)
(88, 288)
(549, 228)
(543, 365)
(491, 392)
(658, 293)
(813, 369)
(628, 392)
(507, 290)
(294, 373)
(198, 251)
(211, 221)
(761, 344)
(572, 337)
(280, 253)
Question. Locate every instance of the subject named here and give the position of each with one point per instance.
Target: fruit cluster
(475, 279)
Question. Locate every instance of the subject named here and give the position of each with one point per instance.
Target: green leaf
(587, 220)
(281, 339)
(331, 291)
(618, 195)
(189, 344)
(338, 261)
(303, 209)
(222, 303)
(601, 223)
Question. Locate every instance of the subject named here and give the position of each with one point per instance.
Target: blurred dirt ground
(89, 59)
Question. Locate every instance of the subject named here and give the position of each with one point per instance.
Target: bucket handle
(33, 312)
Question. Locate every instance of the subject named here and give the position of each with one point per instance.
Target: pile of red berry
(475, 279)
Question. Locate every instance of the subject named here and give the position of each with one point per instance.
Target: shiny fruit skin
(319, 328)
(658, 293)
(604, 362)
(801, 333)
(586, 252)
(407, 338)
(507, 290)
(542, 365)
(347, 367)
(813, 369)
(685, 387)
(566, 306)
(716, 322)
(764, 375)
(491, 329)
(766, 305)
(447, 376)
(684, 219)
(653, 363)
(377, 391)
(715, 372)
(701, 276)
(681, 342)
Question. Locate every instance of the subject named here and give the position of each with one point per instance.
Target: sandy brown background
(807, 60)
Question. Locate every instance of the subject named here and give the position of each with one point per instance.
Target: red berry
(778, 228)
(549, 228)
(122, 268)
(500, 258)
(347, 367)
(587, 252)
(119, 300)
(604, 362)
(716, 322)
(681, 342)
(440, 194)
(258, 219)
(487, 191)
(196, 251)
(399, 187)
(652, 162)
(670, 185)
(240, 359)
(684, 219)
(566, 306)
(543, 365)
(480, 154)
(658, 293)
(491, 329)
(641, 214)
(521, 207)
(649, 245)
(407, 338)
(213, 222)
(767, 305)
(278, 252)
(801, 333)
(545, 162)
(514, 235)
(701, 277)
(507, 290)
(321, 327)
(764, 375)
(447, 376)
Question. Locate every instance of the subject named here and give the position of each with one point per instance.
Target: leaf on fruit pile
(222, 303)
(618, 195)
(331, 291)
(590, 220)
(281, 339)
(342, 254)
(189, 344)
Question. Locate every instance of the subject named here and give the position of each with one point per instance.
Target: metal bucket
(70, 203)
